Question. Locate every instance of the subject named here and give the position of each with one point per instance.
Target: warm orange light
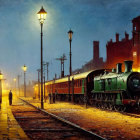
(1, 76)
(42, 15)
(70, 33)
(14, 79)
(134, 54)
(24, 68)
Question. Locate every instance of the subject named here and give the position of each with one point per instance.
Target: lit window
(134, 54)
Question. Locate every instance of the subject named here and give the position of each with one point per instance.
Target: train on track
(104, 88)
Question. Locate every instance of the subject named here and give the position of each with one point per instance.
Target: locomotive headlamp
(70, 33)
(42, 15)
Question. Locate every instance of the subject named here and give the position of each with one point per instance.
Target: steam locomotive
(117, 90)
(104, 88)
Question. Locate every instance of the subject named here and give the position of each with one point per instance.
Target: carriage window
(80, 83)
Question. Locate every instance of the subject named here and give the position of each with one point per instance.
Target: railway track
(39, 124)
(131, 114)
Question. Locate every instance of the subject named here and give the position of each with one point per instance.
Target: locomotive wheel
(103, 105)
(98, 105)
(122, 108)
(110, 106)
(117, 108)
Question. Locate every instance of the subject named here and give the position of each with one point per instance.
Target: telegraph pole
(47, 64)
(62, 59)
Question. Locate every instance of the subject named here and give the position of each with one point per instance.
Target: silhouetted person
(50, 98)
(53, 97)
(10, 97)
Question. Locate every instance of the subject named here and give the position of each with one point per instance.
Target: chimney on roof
(95, 50)
(126, 36)
(117, 37)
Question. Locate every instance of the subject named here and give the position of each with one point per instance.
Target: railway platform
(9, 128)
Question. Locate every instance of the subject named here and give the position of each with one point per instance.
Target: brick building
(117, 51)
(136, 42)
(125, 49)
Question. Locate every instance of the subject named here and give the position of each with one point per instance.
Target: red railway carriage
(75, 87)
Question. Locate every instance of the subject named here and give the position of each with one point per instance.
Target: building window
(134, 54)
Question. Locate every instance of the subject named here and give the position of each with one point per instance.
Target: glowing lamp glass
(14, 79)
(42, 15)
(70, 33)
(24, 68)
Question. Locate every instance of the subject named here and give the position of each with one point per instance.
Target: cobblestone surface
(112, 125)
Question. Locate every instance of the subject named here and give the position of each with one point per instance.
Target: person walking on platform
(50, 98)
(10, 97)
(53, 97)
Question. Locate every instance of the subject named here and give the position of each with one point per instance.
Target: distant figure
(10, 97)
(53, 97)
(50, 98)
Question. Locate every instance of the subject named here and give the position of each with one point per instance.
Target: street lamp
(42, 16)
(70, 33)
(24, 69)
(1, 77)
(15, 83)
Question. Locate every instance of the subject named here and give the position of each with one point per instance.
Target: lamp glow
(70, 33)
(1, 76)
(24, 68)
(42, 15)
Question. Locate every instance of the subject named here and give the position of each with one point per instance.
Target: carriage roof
(75, 77)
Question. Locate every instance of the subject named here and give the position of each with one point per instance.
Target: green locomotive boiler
(117, 90)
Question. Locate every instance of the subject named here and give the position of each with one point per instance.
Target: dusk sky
(89, 19)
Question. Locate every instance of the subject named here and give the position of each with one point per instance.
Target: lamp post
(24, 69)
(1, 77)
(42, 16)
(38, 83)
(70, 33)
(15, 83)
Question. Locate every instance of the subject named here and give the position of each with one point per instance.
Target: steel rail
(131, 115)
(67, 122)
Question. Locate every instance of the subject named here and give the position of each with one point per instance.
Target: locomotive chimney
(128, 65)
(119, 68)
(126, 36)
(95, 50)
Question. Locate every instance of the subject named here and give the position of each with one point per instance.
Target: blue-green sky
(89, 19)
